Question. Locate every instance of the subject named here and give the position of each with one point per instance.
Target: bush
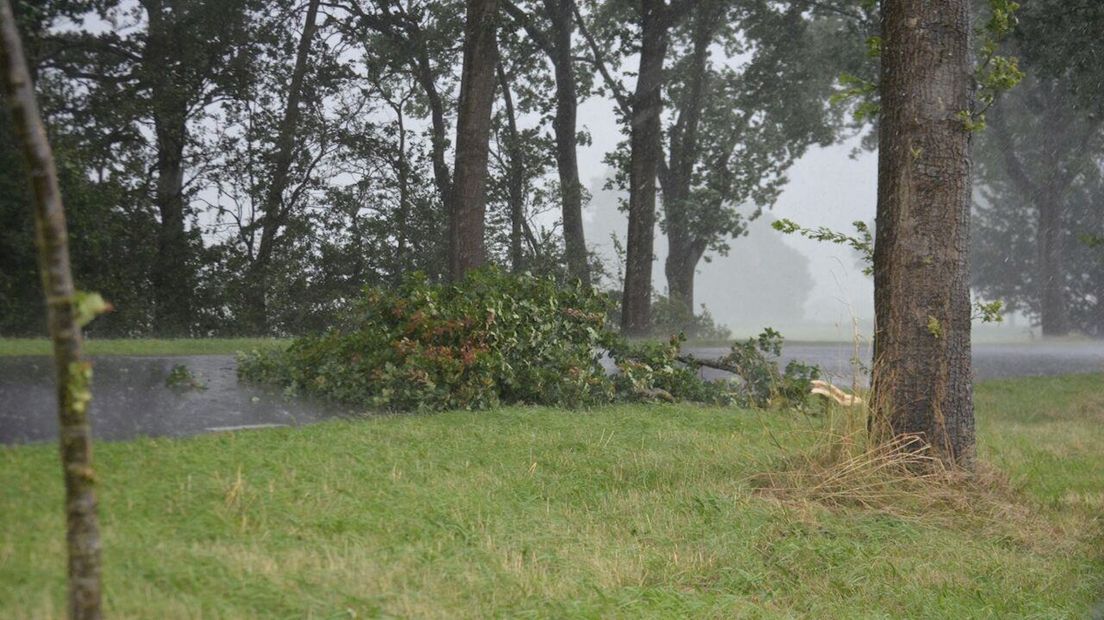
(493, 338)
(496, 338)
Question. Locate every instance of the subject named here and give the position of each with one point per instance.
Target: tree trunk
(560, 13)
(645, 152)
(1045, 189)
(274, 211)
(173, 277)
(73, 374)
(922, 376)
(473, 130)
(515, 173)
(1054, 311)
(402, 170)
(684, 250)
(441, 175)
(173, 281)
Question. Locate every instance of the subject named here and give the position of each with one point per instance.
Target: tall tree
(1039, 165)
(473, 132)
(276, 206)
(922, 378)
(645, 153)
(189, 55)
(735, 130)
(64, 315)
(553, 35)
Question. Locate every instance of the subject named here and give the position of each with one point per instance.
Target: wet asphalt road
(132, 400)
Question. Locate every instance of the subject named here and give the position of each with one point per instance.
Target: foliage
(501, 338)
(862, 242)
(670, 317)
(180, 377)
(754, 362)
(492, 338)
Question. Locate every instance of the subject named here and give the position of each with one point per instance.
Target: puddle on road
(130, 399)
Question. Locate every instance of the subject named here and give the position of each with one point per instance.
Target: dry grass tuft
(904, 478)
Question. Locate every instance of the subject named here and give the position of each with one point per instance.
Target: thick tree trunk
(274, 210)
(173, 277)
(1053, 309)
(645, 152)
(73, 374)
(473, 130)
(922, 376)
(1045, 189)
(680, 268)
(561, 14)
(684, 250)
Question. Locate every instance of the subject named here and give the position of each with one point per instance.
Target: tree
(276, 207)
(737, 129)
(190, 55)
(473, 130)
(1040, 152)
(1039, 166)
(66, 311)
(921, 375)
(554, 38)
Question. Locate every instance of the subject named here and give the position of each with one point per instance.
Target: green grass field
(619, 512)
(142, 346)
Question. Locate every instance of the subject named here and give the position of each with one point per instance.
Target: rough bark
(275, 210)
(73, 374)
(922, 375)
(172, 277)
(473, 130)
(644, 154)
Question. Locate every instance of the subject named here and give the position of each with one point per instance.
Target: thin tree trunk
(73, 374)
(473, 130)
(561, 14)
(922, 376)
(441, 175)
(274, 211)
(402, 167)
(515, 181)
(645, 151)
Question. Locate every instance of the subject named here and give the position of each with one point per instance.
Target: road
(131, 398)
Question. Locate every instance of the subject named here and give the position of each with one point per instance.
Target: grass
(620, 512)
(141, 346)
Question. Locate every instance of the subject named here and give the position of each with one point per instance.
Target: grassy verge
(632, 511)
(142, 346)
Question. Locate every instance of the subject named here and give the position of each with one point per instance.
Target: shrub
(492, 338)
(497, 338)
